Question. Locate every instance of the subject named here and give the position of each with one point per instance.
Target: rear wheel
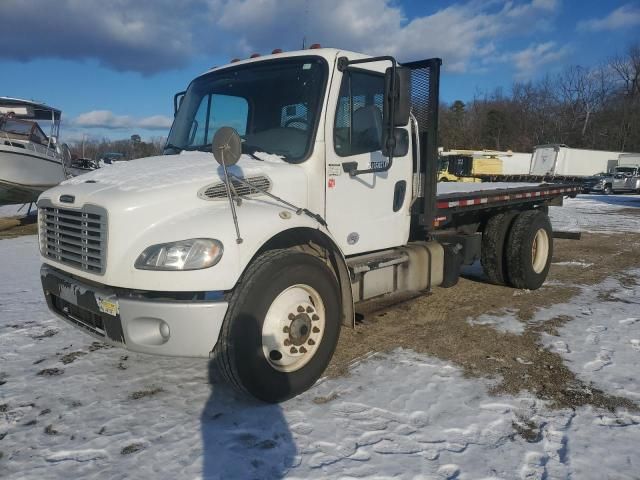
(282, 326)
(492, 255)
(529, 250)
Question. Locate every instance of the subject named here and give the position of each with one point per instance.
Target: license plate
(108, 305)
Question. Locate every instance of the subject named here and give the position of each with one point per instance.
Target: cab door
(370, 211)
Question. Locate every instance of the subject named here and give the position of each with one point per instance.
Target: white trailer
(629, 159)
(558, 160)
(515, 163)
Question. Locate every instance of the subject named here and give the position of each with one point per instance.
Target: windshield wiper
(251, 150)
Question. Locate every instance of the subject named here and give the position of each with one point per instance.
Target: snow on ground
(597, 214)
(602, 345)
(14, 210)
(72, 409)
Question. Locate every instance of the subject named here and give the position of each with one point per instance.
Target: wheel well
(317, 243)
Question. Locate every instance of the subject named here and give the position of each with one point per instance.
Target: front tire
(282, 326)
(607, 190)
(529, 250)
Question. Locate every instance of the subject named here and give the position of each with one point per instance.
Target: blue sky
(113, 66)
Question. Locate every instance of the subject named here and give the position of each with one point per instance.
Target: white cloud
(149, 37)
(530, 61)
(146, 37)
(626, 16)
(108, 120)
(461, 34)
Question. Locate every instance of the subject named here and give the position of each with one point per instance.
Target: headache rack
(74, 237)
(425, 99)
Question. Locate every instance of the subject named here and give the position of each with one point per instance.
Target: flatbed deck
(461, 198)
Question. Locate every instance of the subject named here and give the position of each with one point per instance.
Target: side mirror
(398, 146)
(398, 96)
(177, 101)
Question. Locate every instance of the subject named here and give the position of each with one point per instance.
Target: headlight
(192, 254)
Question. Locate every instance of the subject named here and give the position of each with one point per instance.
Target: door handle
(349, 167)
(398, 194)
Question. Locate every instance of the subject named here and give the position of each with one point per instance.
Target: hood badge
(67, 198)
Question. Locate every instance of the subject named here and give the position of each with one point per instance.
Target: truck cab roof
(329, 54)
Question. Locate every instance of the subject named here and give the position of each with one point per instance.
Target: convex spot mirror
(397, 94)
(226, 146)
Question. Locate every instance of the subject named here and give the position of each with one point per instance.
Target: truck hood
(175, 178)
(168, 198)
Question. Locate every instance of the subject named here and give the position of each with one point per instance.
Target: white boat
(30, 160)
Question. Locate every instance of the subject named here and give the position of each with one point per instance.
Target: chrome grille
(218, 190)
(77, 238)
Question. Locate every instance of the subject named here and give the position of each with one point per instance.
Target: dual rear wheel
(517, 249)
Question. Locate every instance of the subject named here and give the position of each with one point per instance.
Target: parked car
(621, 180)
(589, 183)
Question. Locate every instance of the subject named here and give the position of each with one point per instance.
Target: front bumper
(121, 318)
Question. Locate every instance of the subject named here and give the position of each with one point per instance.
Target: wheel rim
(540, 250)
(293, 328)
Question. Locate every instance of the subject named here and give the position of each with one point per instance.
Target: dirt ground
(12, 227)
(436, 324)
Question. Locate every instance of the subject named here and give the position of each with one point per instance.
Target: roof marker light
(234, 60)
(315, 46)
(276, 50)
(254, 55)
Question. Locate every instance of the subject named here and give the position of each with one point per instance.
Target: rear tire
(529, 250)
(492, 255)
(282, 326)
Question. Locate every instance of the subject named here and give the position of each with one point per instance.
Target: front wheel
(282, 326)
(608, 190)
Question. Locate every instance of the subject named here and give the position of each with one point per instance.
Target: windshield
(625, 170)
(273, 105)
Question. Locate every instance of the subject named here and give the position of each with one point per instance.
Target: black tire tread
(223, 357)
(493, 247)
(517, 269)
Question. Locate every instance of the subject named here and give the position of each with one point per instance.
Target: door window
(358, 124)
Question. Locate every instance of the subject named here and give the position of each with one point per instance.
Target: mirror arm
(176, 97)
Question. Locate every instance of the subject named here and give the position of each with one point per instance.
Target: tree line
(131, 148)
(596, 108)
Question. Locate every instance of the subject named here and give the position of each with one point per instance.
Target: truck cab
(292, 187)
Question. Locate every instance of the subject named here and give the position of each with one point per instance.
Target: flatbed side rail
(448, 205)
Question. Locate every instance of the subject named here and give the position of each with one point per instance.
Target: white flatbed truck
(258, 264)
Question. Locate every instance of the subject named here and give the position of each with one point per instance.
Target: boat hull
(25, 174)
